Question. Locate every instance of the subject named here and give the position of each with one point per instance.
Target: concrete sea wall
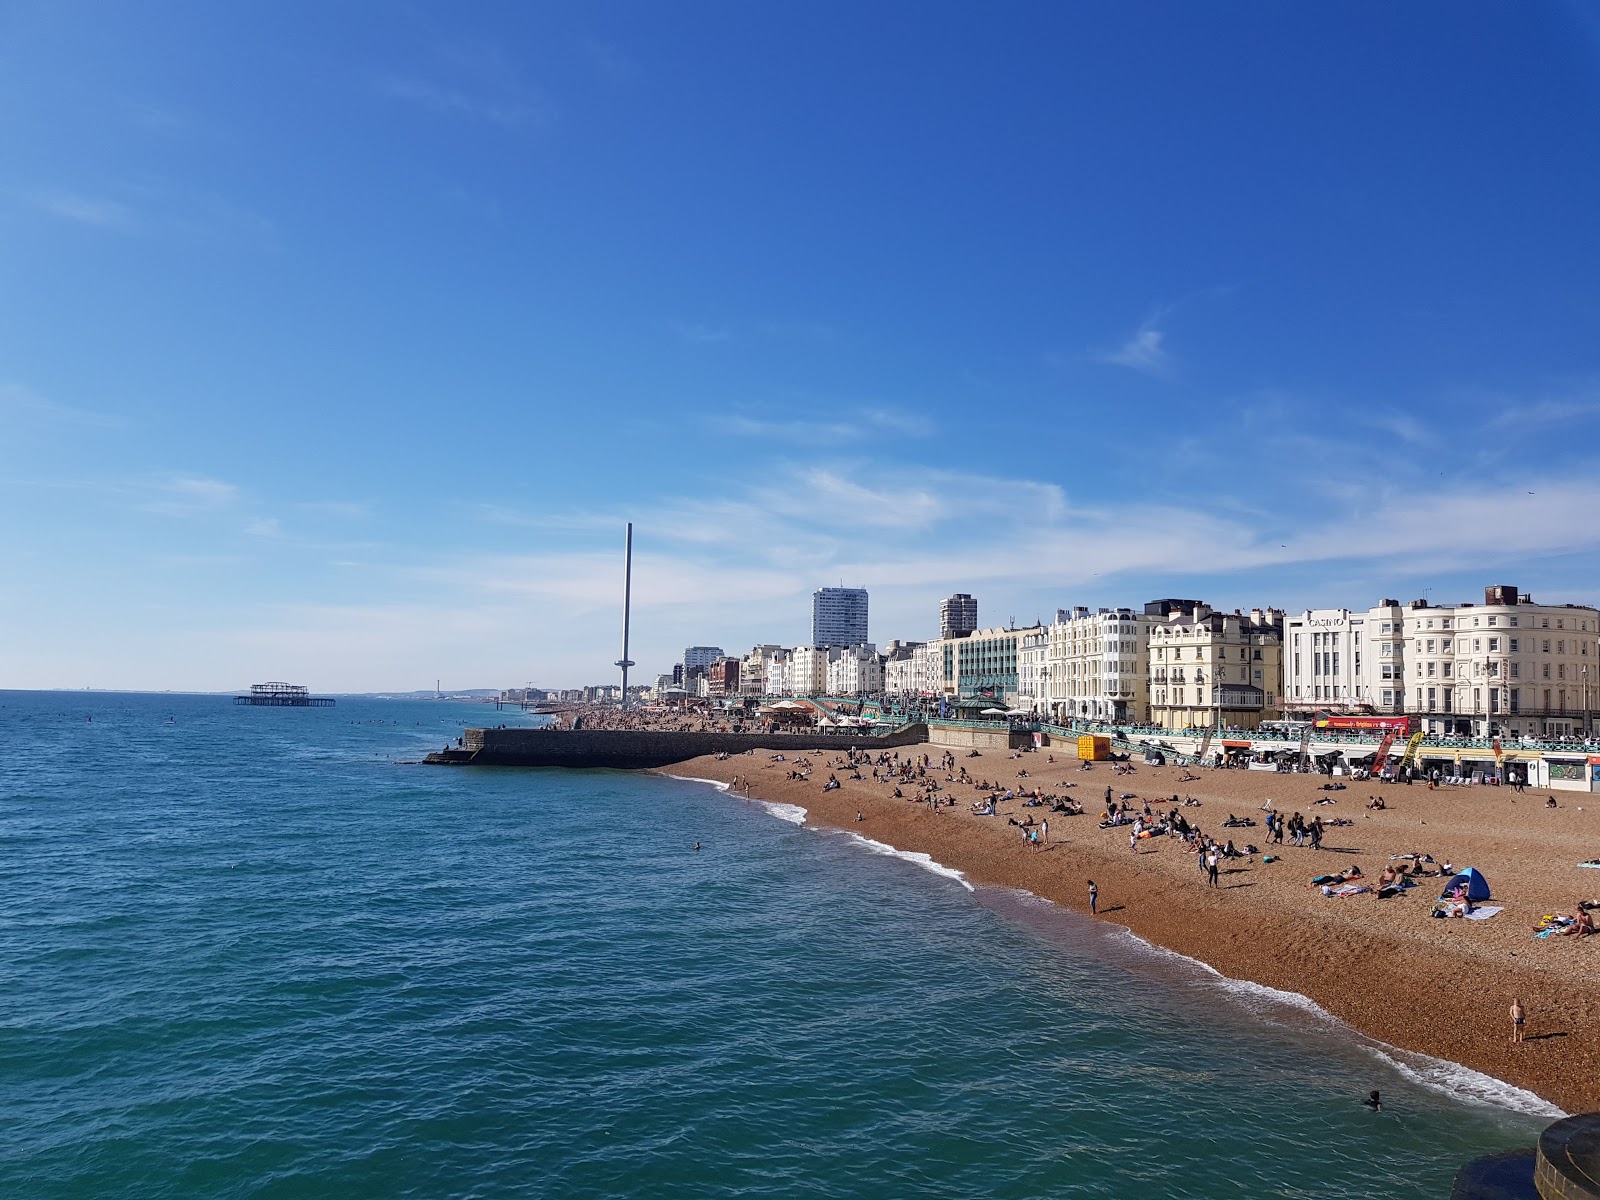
(628, 749)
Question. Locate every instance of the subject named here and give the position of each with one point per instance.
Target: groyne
(629, 749)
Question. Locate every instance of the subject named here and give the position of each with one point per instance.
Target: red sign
(1398, 724)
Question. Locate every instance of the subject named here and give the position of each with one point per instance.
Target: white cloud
(188, 495)
(1143, 352)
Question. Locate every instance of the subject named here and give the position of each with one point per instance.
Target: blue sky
(338, 341)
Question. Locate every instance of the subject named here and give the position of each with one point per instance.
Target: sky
(338, 341)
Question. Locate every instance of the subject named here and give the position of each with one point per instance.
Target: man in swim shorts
(1519, 1019)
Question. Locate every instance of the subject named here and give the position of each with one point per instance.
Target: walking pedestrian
(1094, 899)
(1211, 866)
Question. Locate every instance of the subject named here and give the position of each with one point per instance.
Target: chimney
(1500, 593)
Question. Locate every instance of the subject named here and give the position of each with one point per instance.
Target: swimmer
(1373, 1101)
(697, 845)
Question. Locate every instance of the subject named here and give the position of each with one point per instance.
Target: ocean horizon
(257, 952)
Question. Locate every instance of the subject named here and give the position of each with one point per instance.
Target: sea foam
(716, 783)
(925, 861)
(1436, 1074)
(791, 813)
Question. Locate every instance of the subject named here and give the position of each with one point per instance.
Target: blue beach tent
(1477, 885)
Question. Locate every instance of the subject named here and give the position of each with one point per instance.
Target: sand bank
(1436, 987)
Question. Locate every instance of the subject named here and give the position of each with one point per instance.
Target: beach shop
(1568, 772)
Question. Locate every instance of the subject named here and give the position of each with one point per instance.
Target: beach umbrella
(993, 712)
(1019, 712)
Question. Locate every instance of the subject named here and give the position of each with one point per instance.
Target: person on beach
(1211, 866)
(1094, 899)
(1519, 1019)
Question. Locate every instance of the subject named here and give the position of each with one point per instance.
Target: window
(1544, 622)
(1385, 627)
(1561, 670)
(1513, 645)
(1547, 645)
(1514, 670)
(1444, 622)
(1430, 645)
(1446, 670)
(1430, 670)
(1494, 644)
(1445, 646)
(1513, 622)
(1561, 647)
(1559, 625)
(1492, 620)
(1477, 645)
(1388, 697)
(1432, 696)
(1430, 622)
(1546, 672)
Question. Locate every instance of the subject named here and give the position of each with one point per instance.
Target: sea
(258, 952)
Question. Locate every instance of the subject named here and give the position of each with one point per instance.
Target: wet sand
(1436, 986)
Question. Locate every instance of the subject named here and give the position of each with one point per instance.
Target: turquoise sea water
(246, 952)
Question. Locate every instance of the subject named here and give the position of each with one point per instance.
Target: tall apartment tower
(958, 616)
(700, 656)
(839, 616)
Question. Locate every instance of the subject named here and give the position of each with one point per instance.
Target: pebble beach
(1440, 987)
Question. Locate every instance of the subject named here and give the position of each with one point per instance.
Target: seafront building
(984, 662)
(958, 615)
(700, 656)
(809, 669)
(1343, 662)
(1033, 672)
(1097, 662)
(857, 671)
(839, 616)
(1211, 669)
(1509, 666)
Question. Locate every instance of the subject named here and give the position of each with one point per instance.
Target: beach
(1440, 987)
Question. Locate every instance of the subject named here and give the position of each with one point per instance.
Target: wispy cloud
(867, 423)
(474, 81)
(269, 528)
(188, 495)
(1144, 352)
(97, 211)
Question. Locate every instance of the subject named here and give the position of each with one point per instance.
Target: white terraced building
(1339, 661)
(1506, 667)
(1096, 665)
(857, 671)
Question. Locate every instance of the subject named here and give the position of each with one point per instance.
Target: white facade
(753, 671)
(1033, 690)
(1507, 666)
(857, 670)
(900, 668)
(700, 656)
(777, 673)
(1097, 665)
(809, 669)
(1343, 661)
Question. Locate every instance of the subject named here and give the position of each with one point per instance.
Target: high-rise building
(839, 616)
(700, 656)
(958, 615)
